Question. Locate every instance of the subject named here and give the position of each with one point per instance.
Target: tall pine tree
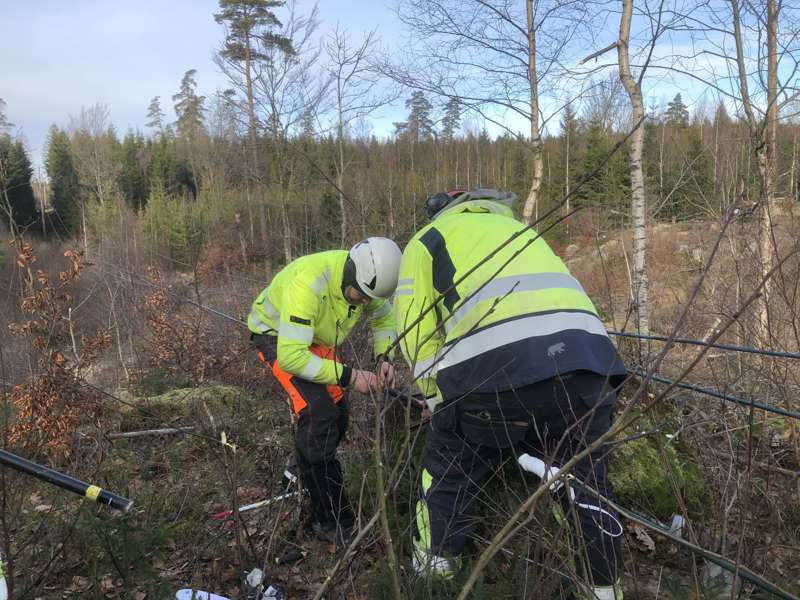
(451, 120)
(249, 33)
(419, 126)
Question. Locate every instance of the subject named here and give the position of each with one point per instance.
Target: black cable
(721, 396)
(676, 340)
(727, 564)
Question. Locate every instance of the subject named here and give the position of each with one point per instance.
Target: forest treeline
(189, 182)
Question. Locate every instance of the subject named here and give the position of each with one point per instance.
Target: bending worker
(296, 324)
(512, 359)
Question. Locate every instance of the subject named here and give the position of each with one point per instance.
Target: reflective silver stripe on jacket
(380, 312)
(254, 323)
(296, 332)
(405, 287)
(501, 286)
(313, 367)
(384, 334)
(425, 367)
(321, 281)
(509, 332)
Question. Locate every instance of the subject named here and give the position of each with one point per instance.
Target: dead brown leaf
(643, 540)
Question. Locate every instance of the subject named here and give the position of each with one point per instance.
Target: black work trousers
(552, 420)
(321, 426)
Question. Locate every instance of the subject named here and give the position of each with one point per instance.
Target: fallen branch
(146, 432)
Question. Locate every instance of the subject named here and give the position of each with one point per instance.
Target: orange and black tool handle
(92, 492)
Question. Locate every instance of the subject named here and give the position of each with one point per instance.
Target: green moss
(212, 405)
(641, 473)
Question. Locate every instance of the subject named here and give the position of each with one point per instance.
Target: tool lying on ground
(92, 492)
(255, 505)
(289, 477)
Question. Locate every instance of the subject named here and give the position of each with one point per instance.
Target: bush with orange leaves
(51, 405)
(179, 344)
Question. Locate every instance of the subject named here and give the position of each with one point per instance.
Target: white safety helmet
(377, 264)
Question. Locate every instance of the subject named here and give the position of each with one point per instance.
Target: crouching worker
(296, 324)
(514, 360)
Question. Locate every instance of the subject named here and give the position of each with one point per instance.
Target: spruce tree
(64, 183)
(189, 107)
(570, 163)
(155, 116)
(677, 113)
(131, 176)
(5, 126)
(701, 179)
(16, 193)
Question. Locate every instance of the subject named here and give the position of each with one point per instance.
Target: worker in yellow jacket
(296, 324)
(513, 358)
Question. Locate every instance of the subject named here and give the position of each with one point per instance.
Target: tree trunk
(769, 156)
(763, 140)
(661, 164)
(391, 204)
(792, 194)
(532, 200)
(638, 204)
(340, 166)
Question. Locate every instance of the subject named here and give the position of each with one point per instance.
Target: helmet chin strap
(349, 279)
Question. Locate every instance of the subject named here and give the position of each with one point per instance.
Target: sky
(57, 56)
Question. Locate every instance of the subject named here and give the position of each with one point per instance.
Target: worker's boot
(426, 563)
(607, 592)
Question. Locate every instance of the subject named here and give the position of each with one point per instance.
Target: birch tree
(638, 200)
(755, 57)
(494, 56)
(356, 89)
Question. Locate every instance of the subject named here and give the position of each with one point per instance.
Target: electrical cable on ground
(715, 394)
(727, 564)
(689, 341)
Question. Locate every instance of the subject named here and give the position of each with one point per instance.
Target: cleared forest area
(130, 269)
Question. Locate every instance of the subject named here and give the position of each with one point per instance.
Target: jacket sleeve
(415, 294)
(299, 309)
(381, 321)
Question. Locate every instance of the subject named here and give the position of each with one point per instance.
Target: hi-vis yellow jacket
(503, 327)
(304, 305)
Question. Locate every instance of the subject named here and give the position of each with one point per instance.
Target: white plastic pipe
(531, 464)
